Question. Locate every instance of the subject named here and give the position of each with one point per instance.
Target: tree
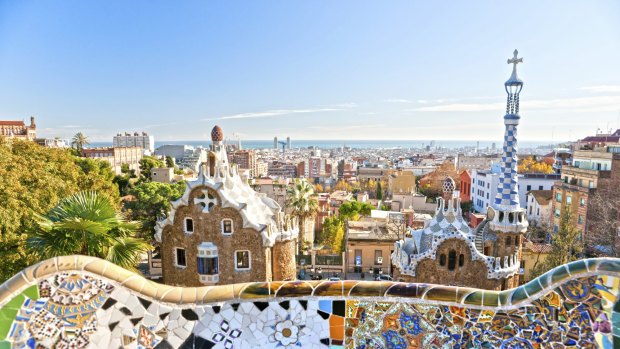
(379, 193)
(300, 199)
(169, 161)
(566, 245)
(87, 223)
(78, 142)
(152, 200)
(529, 165)
(33, 180)
(318, 188)
(147, 163)
(333, 234)
(431, 184)
(353, 209)
(604, 223)
(343, 185)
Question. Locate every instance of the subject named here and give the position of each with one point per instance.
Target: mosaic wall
(82, 302)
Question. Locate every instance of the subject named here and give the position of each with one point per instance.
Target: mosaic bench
(78, 301)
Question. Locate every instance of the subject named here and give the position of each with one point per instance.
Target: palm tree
(78, 141)
(87, 223)
(300, 198)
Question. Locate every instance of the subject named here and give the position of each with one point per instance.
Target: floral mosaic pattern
(66, 306)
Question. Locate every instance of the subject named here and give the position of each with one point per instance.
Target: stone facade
(18, 129)
(464, 272)
(221, 231)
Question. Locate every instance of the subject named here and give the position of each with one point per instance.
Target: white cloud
(581, 104)
(397, 100)
(280, 112)
(602, 88)
(347, 127)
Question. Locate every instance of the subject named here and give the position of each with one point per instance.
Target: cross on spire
(514, 60)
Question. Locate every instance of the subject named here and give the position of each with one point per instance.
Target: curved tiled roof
(403, 292)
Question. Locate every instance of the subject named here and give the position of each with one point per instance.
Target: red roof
(12, 123)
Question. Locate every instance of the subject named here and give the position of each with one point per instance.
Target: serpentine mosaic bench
(78, 301)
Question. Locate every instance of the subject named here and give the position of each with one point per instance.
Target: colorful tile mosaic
(83, 302)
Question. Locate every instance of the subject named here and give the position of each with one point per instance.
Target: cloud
(398, 100)
(602, 89)
(348, 127)
(272, 113)
(581, 104)
(70, 126)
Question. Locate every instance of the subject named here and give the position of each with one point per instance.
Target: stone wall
(471, 272)
(85, 302)
(207, 228)
(284, 260)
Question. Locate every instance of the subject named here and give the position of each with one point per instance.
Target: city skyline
(350, 71)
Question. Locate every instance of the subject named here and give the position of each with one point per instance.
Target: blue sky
(310, 70)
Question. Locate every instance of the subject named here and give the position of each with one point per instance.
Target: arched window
(451, 260)
(461, 260)
(442, 260)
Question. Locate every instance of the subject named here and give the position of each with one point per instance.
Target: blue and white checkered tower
(510, 217)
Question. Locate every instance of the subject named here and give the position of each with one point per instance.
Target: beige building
(533, 254)
(221, 231)
(370, 242)
(592, 170)
(18, 129)
(117, 157)
(162, 174)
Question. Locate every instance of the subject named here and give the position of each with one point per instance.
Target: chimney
(32, 124)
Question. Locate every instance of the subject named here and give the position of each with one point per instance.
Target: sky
(405, 70)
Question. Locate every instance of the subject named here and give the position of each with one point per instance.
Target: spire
(507, 198)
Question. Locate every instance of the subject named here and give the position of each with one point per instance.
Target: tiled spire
(507, 192)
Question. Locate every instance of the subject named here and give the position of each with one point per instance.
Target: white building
(143, 141)
(539, 207)
(175, 151)
(484, 186)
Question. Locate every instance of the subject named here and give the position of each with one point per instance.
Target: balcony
(571, 187)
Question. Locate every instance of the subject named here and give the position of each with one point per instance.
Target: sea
(357, 144)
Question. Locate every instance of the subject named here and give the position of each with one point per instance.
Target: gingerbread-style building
(222, 232)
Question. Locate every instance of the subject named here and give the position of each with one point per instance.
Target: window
(508, 241)
(189, 225)
(378, 257)
(557, 212)
(538, 211)
(461, 260)
(540, 187)
(582, 202)
(529, 187)
(580, 219)
(558, 197)
(180, 257)
(487, 250)
(208, 266)
(451, 260)
(208, 261)
(569, 199)
(442, 260)
(242, 260)
(227, 226)
(555, 228)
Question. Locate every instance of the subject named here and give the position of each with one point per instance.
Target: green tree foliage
(147, 163)
(169, 161)
(567, 245)
(78, 142)
(152, 199)
(33, 180)
(333, 234)
(87, 223)
(301, 200)
(379, 193)
(353, 210)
